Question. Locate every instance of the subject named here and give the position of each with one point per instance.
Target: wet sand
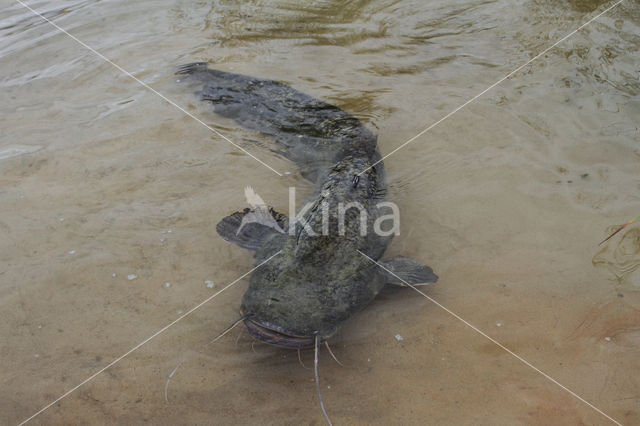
(507, 200)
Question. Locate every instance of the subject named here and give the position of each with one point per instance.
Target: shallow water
(507, 199)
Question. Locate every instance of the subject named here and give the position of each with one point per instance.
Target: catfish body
(319, 277)
(311, 133)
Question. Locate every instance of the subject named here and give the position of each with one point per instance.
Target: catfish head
(318, 279)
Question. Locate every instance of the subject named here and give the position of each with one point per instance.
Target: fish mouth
(275, 335)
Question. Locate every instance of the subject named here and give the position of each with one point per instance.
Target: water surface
(507, 200)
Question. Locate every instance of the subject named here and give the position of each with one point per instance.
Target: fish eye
(355, 181)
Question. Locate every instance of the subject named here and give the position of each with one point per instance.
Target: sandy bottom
(108, 193)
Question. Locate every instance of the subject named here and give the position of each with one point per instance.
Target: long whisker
(331, 352)
(228, 329)
(300, 360)
(315, 363)
(238, 338)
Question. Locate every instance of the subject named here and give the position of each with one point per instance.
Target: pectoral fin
(407, 269)
(252, 228)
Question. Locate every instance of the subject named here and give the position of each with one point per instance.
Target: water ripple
(621, 258)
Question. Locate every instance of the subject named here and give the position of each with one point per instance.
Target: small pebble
(368, 359)
(40, 326)
(620, 295)
(113, 275)
(162, 240)
(132, 277)
(209, 283)
(169, 231)
(72, 252)
(61, 219)
(399, 337)
(608, 339)
(179, 311)
(36, 355)
(167, 285)
(287, 173)
(498, 324)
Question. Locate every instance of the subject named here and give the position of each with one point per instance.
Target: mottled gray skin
(311, 133)
(316, 282)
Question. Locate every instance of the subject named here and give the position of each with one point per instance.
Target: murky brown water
(507, 200)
